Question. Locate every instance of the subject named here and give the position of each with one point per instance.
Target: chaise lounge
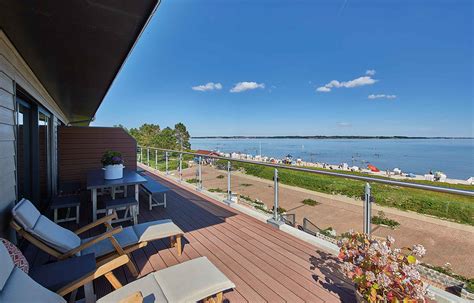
(191, 281)
(63, 243)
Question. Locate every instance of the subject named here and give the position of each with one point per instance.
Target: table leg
(137, 194)
(94, 204)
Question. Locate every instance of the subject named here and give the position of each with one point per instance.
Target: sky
(339, 67)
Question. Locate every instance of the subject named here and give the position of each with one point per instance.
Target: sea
(454, 157)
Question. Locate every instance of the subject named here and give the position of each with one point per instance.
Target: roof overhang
(75, 47)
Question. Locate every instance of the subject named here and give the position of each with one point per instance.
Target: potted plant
(112, 163)
(381, 273)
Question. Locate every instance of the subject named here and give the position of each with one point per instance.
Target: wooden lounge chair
(190, 281)
(63, 243)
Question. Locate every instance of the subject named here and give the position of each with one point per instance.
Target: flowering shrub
(111, 158)
(382, 274)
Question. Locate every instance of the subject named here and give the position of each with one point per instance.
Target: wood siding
(7, 151)
(81, 148)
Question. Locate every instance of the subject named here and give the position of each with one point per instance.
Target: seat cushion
(158, 229)
(147, 285)
(125, 238)
(192, 281)
(18, 282)
(56, 236)
(6, 265)
(26, 214)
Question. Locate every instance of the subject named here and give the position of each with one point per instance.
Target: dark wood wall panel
(81, 148)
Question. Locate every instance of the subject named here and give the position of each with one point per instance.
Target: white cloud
(243, 86)
(344, 124)
(370, 72)
(361, 81)
(323, 89)
(207, 87)
(381, 96)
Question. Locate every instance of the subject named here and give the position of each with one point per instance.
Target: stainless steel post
(229, 192)
(367, 210)
(199, 183)
(275, 202)
(148, 156)
(180, 167)
(166, 162)
(156, 159)
(141, 154)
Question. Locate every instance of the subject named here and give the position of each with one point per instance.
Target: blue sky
(267, 68)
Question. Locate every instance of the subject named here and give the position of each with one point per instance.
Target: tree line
(152, 135)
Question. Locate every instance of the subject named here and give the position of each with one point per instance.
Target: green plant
(220, 177)
(246, 184)
(310, 202)
(111, 157)
(329, 232)
(192, 181)
(381, 219)
(281, 210)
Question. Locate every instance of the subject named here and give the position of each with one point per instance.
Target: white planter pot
(112, 172)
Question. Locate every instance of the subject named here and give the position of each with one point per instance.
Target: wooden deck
(265, 264)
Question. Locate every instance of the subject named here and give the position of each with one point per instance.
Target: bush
(310, 202)
(220, 177)
(382, 219)
(192, 181)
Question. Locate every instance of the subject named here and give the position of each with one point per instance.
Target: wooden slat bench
(153, 189)
(130, 206)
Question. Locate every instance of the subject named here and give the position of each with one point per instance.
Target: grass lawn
(447, 206)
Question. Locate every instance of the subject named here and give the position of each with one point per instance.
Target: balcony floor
(264, 263)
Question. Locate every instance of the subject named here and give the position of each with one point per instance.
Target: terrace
(265, 263)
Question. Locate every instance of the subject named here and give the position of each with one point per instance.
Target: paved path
(445, 241)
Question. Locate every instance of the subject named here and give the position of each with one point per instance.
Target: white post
(229, 192)
(156, 159)
(367, 210)
(141, 155)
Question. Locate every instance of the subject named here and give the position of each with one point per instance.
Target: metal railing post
(180, 167)
(141, 154)
(199, 181)
(156, 159)
(166, 162)
(367, 210)
(148, 156)
(229, 192)
(275, 201)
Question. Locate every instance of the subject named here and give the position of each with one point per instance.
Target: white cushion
(147, 285)
(158, 229)
(192, 281)
(21, 288)
(125, 238)
(6, 265)
(56, 236)
(26, 214)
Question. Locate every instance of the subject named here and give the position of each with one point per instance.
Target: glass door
(24, 150)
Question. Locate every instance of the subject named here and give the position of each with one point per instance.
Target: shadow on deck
(264, 263)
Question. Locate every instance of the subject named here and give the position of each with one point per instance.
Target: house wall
(81, 149)
(15, 72)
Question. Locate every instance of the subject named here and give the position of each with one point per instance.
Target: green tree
(167, 139)
(182, 136)
(147, 134)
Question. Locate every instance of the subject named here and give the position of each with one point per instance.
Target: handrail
(448, 190)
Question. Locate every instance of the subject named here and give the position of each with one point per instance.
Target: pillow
(57, 236)
(17, 256)
(26, 214)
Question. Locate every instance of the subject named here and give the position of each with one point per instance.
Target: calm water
(455, 157)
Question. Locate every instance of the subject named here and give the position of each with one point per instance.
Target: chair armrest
(107, 234)
(96, 223)
(102, 270)
(136, 297)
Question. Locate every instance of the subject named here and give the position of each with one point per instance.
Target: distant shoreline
(325, 137)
